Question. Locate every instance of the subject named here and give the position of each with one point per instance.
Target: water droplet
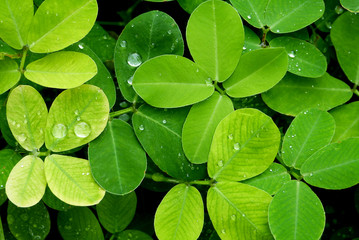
(236, 146)
(82, 130)
(38, 113)
(338, 9)
(164, 121)
(223, 231)
(59, 130)
(22, 166)
(21, 138)
(24, 217)
(243, 215)
(134, 60)
(123, 43)
(290, 146)
(329, 25)
(271, 170)
(299, 69)
(141, 127)
(81, 46)
(25, 121)
(209, 81)
(291, 54)
(230, 136)
(220, 163)
(233, 217)
(311, 174)
(18, 125)
(249, 17)
(67, 227)
(130, 80)
(179, 154)
(244, 48)
(277, 31)
(77, 112)
(169, 32)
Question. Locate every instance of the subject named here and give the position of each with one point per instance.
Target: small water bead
(141, 127)
(220, 163)
(223, 231)
(230, 136)
(291, 54)
(123, 43)
(338, 9)
(18, 125)
(25, 121)
(59, 130)
(130, 80)
(81, 46)
(22, 138)
(233, 217)
(209, 82)
(22, 166)
(164, 121)
(169, 32)
(78, 118)
(134, 60)
(244, 48)
(236, 146)
(82, 129)
(299, 69)
(249, 16)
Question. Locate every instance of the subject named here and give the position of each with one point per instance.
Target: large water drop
(59, 130)
(82, 130)
(134, 60)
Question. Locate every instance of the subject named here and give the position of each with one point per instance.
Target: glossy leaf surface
(116, 212)
(180, 214)
(251, 40)
(118, 162)
(253, 11)
(57, 25)
(323, 93)
(215, 38)
(309, 131)
(200, 125)
(15, 21)
(146, 36)
(63, 69)
(190, 5)
(304, 59)
(71, 181)
(9, 74)
(76, 117)
(26, 183)
(257, 71)
(166, 151)
(26, 113)
(171, 81)
(331, 163)
(239, 211)
(296, 213)
(245, 143)
(350, 5)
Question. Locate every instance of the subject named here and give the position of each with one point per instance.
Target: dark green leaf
(132, 234)
(53, 202)
(8, 159)
(190, 5)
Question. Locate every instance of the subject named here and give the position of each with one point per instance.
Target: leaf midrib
(181, 211)
(114, 151)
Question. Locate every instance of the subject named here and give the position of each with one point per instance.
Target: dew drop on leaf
(82, 130)
(233, 217)
(236, 146)
(209, 82)
(134, 60)
(123, 43)
(59, 130)
(22, 138)
(129, 81)
(220, 163)
(230, 136)
(338, 9)
(164, 121)
(249, 17)
(141, 127)
(81, 46)
(10, 219)
(223, 231)
(291, 54)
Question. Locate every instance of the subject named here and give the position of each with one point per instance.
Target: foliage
(239, 133)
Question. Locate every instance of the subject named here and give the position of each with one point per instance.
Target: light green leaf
(61, 70)
(271, 180)
(30, 222)
(116, 212)
(149, 35)
(296, 213)
(8, 159)
(304, 58)
(26, 183)
(170, 81)
(239, 211)
(331, 163)
(200, 125)
(180, 214)
(118, 162)
(124, 235)
(289, 16)
(16, 16)
(76, 117)
(190, 5)
(245, 143)
(323, 93)
(257, 71)
(345, 38)
(57, 25)
(165, 125)
(9, 74)
(253, 11)
(350, 5)
(347, 121)
(79, 223)
(215, 38)
(7, 51)
(251, 40)
(26, 114)
(70, 180)
(309, 131)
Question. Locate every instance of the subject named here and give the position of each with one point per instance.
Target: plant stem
(120, 112)
(264, 36)
(296, 174)
(356, 92)
(23, 59)
(158, 177)
(202, 182)
(220, 90)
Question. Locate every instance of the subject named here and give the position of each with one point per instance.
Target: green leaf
(347, 121)
(180, 214)
(350, 5)
(56, 71)
(323, 93)
(271, 180)
(3, 196)
(253, 11)
(149, 35)
(57, 25)
(125, 235)
(215, 38)
(103, 78)
(9, 74)
(289, 16)
(333, 162)
(251, 40)
(7, 51)
(2, 237)
(79, 223)
(190, 5)
(310, 131)
(170, 81)
(4, 126)
(30, 222)
(118, 162)
(26, 183)
(239, 211)
(53, 202)
(245, 143)
(165, 126)
(257, 71)
(200, 125)
(345, 38)
(26, 113)
(71, 181)
(15, 21)
(332, 11)
(116, 212)
(8, 159)
(304, 59)
(296, 213)
(76, 117)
